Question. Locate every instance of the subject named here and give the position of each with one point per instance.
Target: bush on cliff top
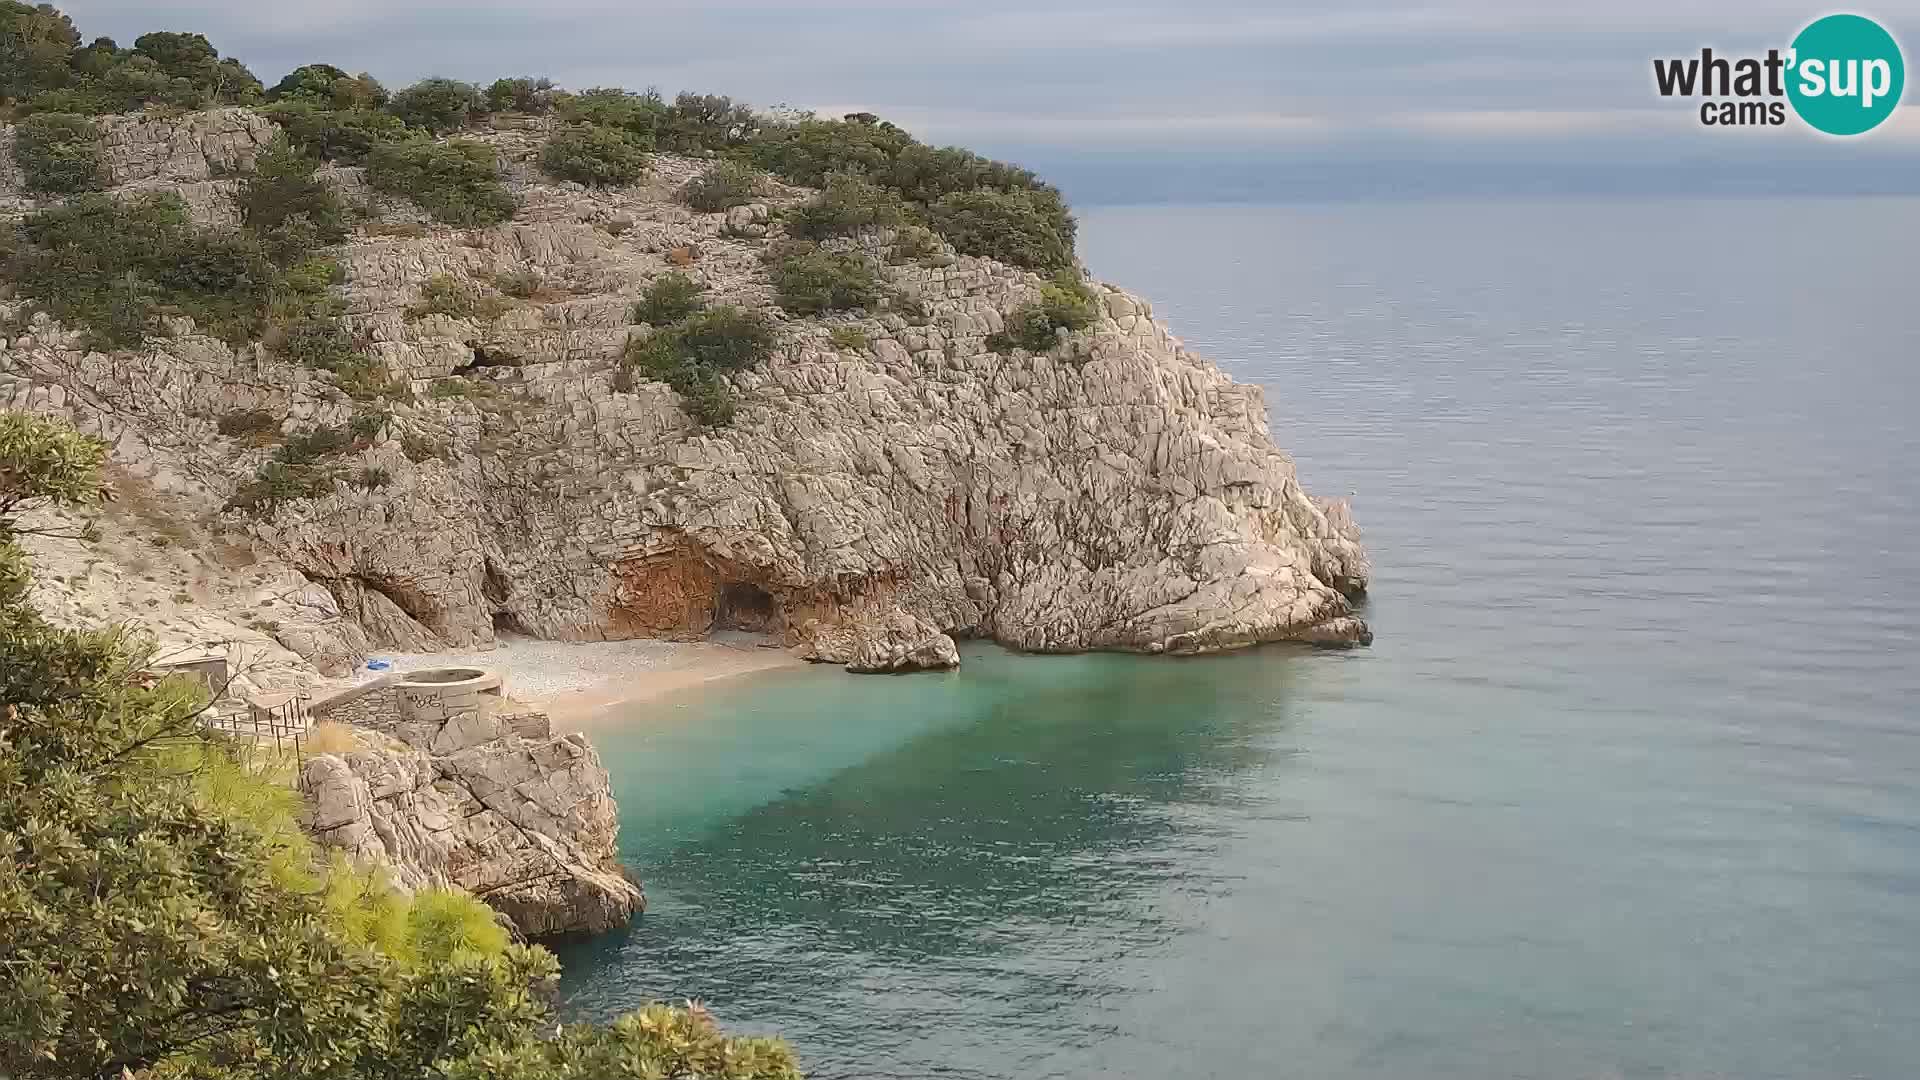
(810, 279)
(458, 182)
(723, 187)
(1024, 228)
(593, 155)
(522, 95)
(333, 134)
(848, 205)
(327, 86)
(59, 153)
(438, 106)
(43, 65)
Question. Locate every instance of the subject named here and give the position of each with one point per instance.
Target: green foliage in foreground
(166, 917)
(458, 182)
(59, 153)
(1065, 304)
(595, 156)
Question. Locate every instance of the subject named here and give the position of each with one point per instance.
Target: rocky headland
(889, 482)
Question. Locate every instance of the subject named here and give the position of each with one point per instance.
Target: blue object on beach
(378, 665)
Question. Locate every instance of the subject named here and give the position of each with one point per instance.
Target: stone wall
(371, 705)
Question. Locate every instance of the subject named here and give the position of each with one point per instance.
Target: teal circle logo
(1845, 74)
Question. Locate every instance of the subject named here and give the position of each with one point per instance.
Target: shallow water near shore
(1628, 785)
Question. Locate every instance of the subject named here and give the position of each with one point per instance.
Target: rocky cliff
(877, 493)
(517, 816)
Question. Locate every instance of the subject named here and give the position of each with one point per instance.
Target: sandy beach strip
(580, 684)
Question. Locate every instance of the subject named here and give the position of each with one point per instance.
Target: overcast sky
(1148, 98)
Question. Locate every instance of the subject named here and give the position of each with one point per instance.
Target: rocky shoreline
(452, 789)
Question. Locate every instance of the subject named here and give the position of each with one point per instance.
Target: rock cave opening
(744, 606)
(486, 357)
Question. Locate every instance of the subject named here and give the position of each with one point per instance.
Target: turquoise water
(1628, 786)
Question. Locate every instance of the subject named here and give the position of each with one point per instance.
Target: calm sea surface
(1628, 785)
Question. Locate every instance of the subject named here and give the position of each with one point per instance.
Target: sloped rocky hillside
(889, 478)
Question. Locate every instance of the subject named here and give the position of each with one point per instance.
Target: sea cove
(1624, 787)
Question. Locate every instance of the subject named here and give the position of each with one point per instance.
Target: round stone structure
(437, 695)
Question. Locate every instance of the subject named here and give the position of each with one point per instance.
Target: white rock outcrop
(872, 500)
(523, 819)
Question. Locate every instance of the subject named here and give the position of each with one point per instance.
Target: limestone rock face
(147, 151)
(522, 819)
(878, 493)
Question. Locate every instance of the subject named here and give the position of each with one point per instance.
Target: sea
(1628, 785)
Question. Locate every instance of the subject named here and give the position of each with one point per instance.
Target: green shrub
(522, 95)
(707, 122)
(317, 342)
(438, 105)
(1019, 227)
(346, 135)
(368, 425)
(1065, 304)
(707, 397)
(451, 388)
(848, 338)
(59, 153)
(458, 182)
(810, 279)
(723, 187)
(848, 205)
(302, 468)
(916, 242)
(671, 297)
(36, 44)
(287, 205)
(595, 156)
(444, 294)
(693, 355)
(990, 208)
(723, 338)
(329, 87)
(643, 117)
(198, 77)
(113, 265)
(374, 478)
